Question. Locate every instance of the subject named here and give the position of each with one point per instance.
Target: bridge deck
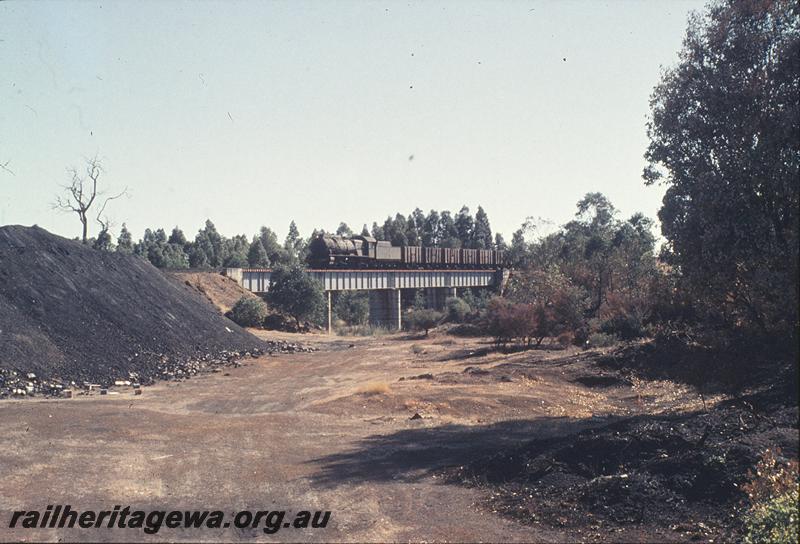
(257, 279)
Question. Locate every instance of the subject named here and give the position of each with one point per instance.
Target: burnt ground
(403, 439)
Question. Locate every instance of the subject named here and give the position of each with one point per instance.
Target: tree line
(210, 249)
(437, 228)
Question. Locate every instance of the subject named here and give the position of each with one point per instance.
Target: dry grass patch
(374, 388)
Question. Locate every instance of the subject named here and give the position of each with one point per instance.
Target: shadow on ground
(413, 454)
(654, 471)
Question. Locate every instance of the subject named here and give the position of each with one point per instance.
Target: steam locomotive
(328, 251)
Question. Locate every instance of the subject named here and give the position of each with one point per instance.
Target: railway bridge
(386, 287)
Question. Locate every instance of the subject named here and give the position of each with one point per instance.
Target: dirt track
(312, 431)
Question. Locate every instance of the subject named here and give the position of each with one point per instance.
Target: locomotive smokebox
(325, 249)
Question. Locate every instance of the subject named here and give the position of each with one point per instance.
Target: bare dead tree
(104, 221)
(5, 167)
(82, 192)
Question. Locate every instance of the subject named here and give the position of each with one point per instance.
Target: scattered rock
(602, 381)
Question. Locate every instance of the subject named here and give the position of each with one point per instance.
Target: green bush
(625, 326)
(423, 320)
(352, 307)
(774, 521)
(457, 309)
(249, 312)
(476, 299)
(601, 340)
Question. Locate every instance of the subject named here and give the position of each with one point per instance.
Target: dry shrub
(774, 477)
(773, 494)
(566, 339)
(624, 315)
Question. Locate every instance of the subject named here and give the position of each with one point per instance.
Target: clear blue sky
(255, 113)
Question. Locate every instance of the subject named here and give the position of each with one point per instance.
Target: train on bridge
(329, 251)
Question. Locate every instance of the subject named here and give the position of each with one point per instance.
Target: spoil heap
(69, 313)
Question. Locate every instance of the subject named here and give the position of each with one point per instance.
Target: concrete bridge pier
(435, 297)
(329, 297)
(385, 309)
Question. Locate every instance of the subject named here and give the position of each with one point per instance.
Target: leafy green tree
(155, 248)
(257, 255)
(518, 253)
(400, 234)
(294, 245)
(295, 293)
(103, 242)
(476, 299)
(148, 240)
(592, 234)
(352, 307)
(482, 231)
(377, 232)
(236, 250)
(125, 240)
(394, 230)
(202, 251)
(235, 260)
(457, 309)
(423, 319)
(198, 258)
(365, 231)
(725, 139)
(420, 300)
(430, 230)
(414, 226)
(465, 224)
(448, 233)
(344, 230)
(276, 253)
(173, 257)
(160, 237)
(177, 237)
(211, 243)
(500, 243)
(388, 228)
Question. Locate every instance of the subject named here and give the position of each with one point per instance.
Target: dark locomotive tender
(328, 251)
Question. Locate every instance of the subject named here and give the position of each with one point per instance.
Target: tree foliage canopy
(293, 292)
(725, 140)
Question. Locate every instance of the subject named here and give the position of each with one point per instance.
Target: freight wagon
(328, 251)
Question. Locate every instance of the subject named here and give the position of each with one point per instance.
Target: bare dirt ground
(328, 430)
(221, 291)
